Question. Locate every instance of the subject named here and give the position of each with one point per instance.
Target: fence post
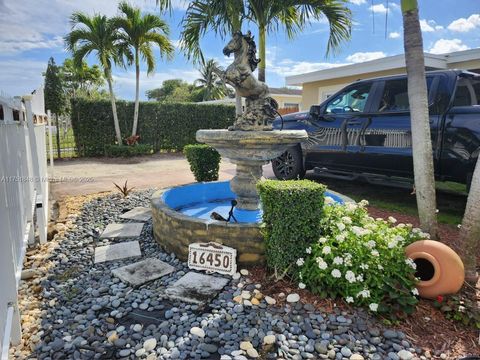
(50, 140)
(40, 210)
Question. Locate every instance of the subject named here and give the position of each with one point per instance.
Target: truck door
(386, 141)
(337, 127)
(461, 136)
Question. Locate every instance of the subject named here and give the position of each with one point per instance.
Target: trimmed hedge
(292, 211)
(128, 151)
(204, 161)
(164, 126)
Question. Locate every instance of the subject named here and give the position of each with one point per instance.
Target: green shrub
(291, 216)
(164, 126)
(128, 151)
(204, 161)
(361, 260)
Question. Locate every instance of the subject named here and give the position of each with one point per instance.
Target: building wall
(465, 65)
(315, 92)
(287, 99)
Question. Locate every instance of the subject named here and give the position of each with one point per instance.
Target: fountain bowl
(250, 150)
(251, 145)
(181, 216)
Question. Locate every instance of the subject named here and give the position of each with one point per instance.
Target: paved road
(92, 175)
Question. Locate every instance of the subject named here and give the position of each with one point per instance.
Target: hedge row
(204, 161)
(292, 211)
(165, 126)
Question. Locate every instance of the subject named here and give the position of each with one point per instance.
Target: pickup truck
(364, 131)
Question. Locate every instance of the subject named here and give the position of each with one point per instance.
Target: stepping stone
(196, 288)
(138, 214)
(143, 271)
(128, 230)
(117, 251)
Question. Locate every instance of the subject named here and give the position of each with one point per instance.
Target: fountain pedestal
(250, 150)
(244, 183)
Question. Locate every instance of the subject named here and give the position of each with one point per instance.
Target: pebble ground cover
(75, 309)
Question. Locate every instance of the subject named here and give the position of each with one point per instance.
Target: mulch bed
(427, 328)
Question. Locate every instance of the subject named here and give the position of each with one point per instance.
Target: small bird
(216, 216)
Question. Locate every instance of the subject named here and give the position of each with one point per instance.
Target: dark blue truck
(364, 131)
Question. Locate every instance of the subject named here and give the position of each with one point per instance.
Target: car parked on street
(364, 131)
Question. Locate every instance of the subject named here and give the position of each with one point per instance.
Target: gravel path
(79, 310)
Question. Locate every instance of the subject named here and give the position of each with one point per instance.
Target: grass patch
(451, 197)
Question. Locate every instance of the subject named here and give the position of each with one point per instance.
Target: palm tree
(138, 32)
(223, 17)
(226, 17)
(97, 35)
(470, 229)
(294, 15)
(210, 83)
(418, 100)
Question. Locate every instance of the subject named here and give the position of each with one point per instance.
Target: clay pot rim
(433, 261)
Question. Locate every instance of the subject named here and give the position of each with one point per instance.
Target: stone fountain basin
(181, 216)
(251, 145)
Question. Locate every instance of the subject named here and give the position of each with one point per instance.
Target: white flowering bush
(361, 260)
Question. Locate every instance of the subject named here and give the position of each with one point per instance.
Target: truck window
(467, 92)
(353, 99)
(395, 95)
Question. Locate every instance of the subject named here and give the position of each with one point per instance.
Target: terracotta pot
(439, 268)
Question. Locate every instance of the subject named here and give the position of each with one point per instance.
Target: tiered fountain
(183, 215)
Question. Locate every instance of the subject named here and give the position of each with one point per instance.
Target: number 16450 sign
(212, 257)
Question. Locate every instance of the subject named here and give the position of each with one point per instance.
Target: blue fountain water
(201, 199)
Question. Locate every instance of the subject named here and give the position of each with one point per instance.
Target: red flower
(439, 298)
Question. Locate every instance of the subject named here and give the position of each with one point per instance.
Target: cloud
(382, 9)
(378, 9)
(288, 67)
(394, 35)
(443, 46)
(9, 47)
(21, 77)
(465, 25)
(365, 56)
(425, 26)
(37, 28)
(358, 2)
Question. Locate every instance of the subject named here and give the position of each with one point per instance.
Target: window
(467, 93)
(395, 96)
(353, 99)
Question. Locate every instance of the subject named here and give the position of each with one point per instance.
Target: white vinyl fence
(23, 200)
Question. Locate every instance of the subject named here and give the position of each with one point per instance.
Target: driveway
(84, 176)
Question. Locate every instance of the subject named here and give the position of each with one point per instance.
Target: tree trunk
(470, 230)
(114, 108)
(418, 100)
(58, 137)
(137, 92)
(261, 53)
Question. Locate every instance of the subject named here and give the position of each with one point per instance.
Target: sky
(31, 31)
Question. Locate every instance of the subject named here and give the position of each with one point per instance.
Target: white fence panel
(23, 190)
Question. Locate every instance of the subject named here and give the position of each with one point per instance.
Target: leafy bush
(204, 161)
(460, 307)
(164, 126)
(291, 216)
(361, 260)
(128, 151)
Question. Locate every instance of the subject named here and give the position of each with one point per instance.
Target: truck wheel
(289, 165)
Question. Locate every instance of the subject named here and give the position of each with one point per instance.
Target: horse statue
(261, 109)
